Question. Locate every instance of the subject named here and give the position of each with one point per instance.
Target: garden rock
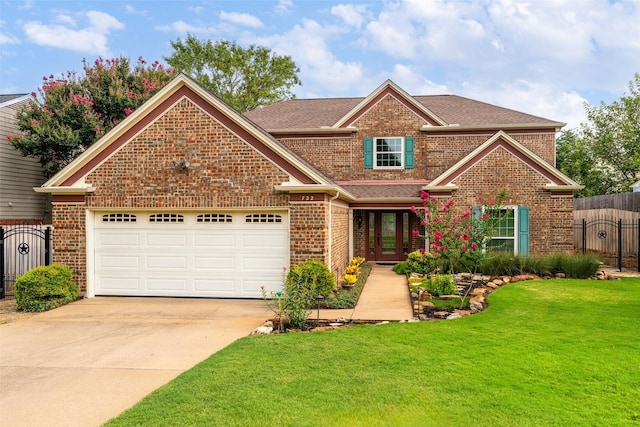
(265, 329)
(454, 315)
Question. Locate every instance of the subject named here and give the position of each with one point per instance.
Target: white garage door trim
(228, 254)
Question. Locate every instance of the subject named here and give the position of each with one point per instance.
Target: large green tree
(244, 78)
(71, 112)
(604, 154)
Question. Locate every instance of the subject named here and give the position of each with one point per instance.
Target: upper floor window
(388, 153)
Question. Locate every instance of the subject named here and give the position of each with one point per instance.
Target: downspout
(331, 230)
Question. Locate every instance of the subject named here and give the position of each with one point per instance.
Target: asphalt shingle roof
(316, 113)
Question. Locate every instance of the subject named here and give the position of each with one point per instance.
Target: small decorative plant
(348, 280)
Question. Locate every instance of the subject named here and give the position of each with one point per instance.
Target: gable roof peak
(383, 90)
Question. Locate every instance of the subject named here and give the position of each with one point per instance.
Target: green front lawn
(557, 352)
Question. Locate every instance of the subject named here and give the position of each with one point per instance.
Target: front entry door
(388, 235)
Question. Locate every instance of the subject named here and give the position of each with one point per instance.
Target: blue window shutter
(368, 153)
(408, 152)
(523, 230)
(476, 212)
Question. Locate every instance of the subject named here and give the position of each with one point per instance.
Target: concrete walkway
(385, 296)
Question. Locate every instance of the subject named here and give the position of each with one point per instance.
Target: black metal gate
(617, 242)
(22, 247)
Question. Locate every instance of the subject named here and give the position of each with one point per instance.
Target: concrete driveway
(84, 363)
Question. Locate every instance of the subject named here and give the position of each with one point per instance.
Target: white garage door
(218, 254)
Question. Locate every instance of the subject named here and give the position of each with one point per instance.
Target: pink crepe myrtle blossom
(128, 111)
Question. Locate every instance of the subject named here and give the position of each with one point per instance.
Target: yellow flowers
(352, 272)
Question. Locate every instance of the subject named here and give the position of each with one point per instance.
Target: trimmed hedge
(45, 288)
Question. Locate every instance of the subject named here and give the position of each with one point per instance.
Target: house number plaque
(301, 197)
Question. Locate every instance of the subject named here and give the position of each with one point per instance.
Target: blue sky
(544, 57)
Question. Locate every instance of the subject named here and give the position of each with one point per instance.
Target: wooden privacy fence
(612, 234)
(22, 247)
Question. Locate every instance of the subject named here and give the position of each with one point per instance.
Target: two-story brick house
(187, 197)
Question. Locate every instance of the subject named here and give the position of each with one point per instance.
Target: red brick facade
(228, 169)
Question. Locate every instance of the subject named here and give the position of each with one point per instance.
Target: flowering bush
(70, 112)
(456, 240)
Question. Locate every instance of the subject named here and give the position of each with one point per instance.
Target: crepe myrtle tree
(457, 239)
(71, 112)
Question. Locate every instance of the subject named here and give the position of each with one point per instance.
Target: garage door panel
(123, 262)
(255, 263)
(118, 240)
(167, 263)
(220, 241)
(252, 287)
(223, 256)
(263, 240)
(166, 240)
(119, 283)
(219, 264)
(217, 287)
(155, 284)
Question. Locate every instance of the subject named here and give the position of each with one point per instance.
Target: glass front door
(388, 235)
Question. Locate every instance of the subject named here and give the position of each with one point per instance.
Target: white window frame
(514, 212)
(375, 152)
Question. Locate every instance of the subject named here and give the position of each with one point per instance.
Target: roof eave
(65, 190)
(457, 128)
(313, 131)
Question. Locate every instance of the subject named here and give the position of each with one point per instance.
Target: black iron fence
(616, 241)
(22, 247)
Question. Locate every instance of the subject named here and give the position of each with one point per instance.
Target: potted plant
(348, 281)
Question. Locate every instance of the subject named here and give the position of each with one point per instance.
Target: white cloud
(66, 19)
(92, 39)
(284, 7)
(196, 9)
(131, 10)
(352, 14)
(539, 99)
(182, 27)
(244, 19)
(8, 39)
(414, 82)
(320, 70)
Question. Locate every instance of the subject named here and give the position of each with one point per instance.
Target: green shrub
(422, 263)
(312, 275)
(539, 265)
(304, 282)
(499, 264)
(401, 268)
(574, 266)
(440, 284)
(45, 288)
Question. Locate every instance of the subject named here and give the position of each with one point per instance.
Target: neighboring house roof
(449, 110)
(8, 100)
(636, 187)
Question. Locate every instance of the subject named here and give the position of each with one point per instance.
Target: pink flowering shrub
(456, 239)
(71, 112)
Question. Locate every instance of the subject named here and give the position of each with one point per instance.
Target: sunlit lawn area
(557, 352)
